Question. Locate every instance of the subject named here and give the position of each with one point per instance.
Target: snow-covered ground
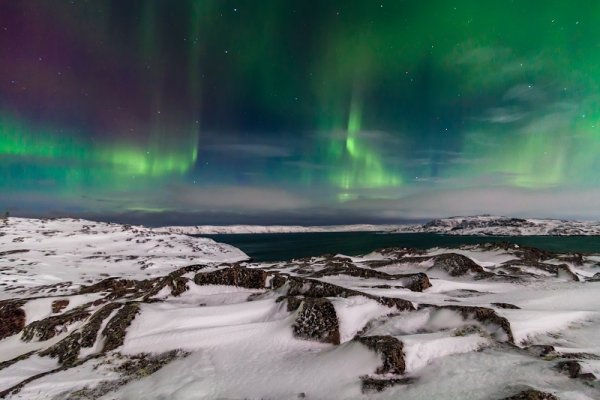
(104, 311)
(61, 254)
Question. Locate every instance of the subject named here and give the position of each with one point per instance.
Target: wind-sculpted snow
(478, 322)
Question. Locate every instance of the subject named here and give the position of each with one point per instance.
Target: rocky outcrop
(379, 384)
(485, 316)
(456, 264)
(414, 282)
(12, 317)
(311, 288)
(116, 329)
(59, 305)
(122, 288)
(532, 394)
(573, 369)
(67, 350)
(317, 320)
(391, 352)
(389, 349)
(49, 327)
(233, 276)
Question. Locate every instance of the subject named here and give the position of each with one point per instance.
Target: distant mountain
(503, 226)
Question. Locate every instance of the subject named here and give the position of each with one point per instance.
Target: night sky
(299, 111)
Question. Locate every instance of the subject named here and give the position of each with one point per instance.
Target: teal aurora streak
(346, 99)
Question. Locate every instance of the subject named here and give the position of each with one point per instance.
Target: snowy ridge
(481, 322)
(233, 229)
(503, 226)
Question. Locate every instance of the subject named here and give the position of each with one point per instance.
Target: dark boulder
(389, 349)
(416, 282)
(317, 320)
(456, 264)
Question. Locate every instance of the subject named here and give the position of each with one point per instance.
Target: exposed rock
(233, 276)
(293, 302)
(317, 320)
(142, 365)
(532, 394)
(89, 332)
(48, 327)
(120, 288)
(116, 329)
(373, 384)
(580, 356)
(178, 285)
(12, 317)
(389, 349)
(483, 315)
(297, 286)
(136, 367)
(11, 252)
(540, 350)
(571, 368)
(557, 270)
(8, 363)
(416, 282)
(456, 264)
(506, 306)
(67, 350)
(59, 305)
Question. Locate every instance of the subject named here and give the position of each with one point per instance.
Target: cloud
(250, 150)
(184, 204)
(572, 202)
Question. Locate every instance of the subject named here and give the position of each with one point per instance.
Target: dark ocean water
(285, 246)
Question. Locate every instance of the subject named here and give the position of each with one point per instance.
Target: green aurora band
(385, 97)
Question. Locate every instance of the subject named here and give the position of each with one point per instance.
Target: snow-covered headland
(483, 225)
(236, 229)
(503, 226)
(106, 311)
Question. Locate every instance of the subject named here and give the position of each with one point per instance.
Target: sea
(267, 247)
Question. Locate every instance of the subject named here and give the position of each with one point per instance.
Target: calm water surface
(285, 246)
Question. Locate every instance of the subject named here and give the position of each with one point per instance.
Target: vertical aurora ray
(346, 99)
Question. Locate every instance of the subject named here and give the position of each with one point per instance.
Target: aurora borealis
(299, 111)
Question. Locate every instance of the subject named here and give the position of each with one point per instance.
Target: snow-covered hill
(65, 253)
(104, 311)
(504, 226)
(231, 229)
